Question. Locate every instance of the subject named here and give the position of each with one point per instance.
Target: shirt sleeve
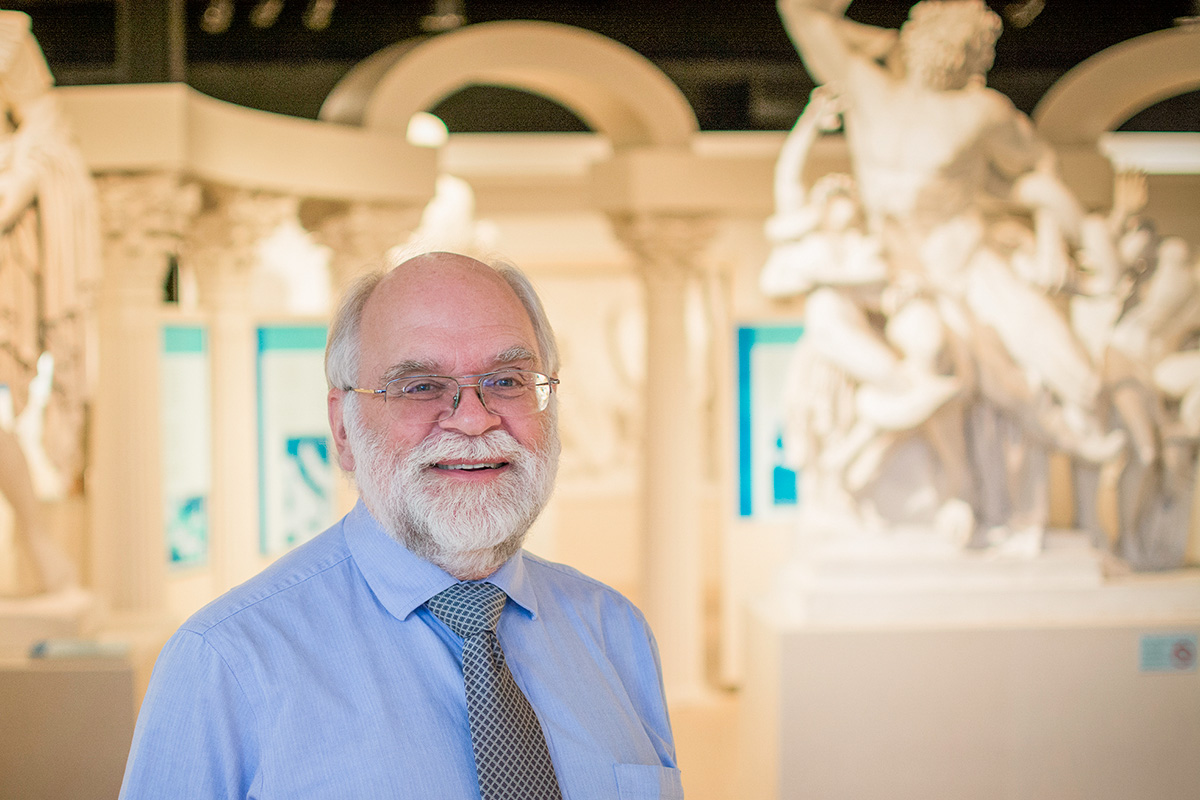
(651, 694)
(196, 732)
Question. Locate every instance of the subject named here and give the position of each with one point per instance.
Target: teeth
(469, 466)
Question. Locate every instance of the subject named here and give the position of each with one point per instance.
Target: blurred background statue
(49, 266)
(942, 365)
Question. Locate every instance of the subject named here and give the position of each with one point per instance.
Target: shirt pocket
(648, 782)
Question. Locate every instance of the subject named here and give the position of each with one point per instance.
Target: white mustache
(493, 446)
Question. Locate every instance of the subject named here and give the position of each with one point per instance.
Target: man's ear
(335, 402)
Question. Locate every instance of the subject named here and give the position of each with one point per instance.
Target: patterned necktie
(511, 758)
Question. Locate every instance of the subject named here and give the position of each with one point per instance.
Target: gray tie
(511, 758)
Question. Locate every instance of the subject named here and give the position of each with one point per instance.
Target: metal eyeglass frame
(477, 386)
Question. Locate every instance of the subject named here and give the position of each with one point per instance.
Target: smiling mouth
(471, 467)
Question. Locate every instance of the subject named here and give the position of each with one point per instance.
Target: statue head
(947, 43)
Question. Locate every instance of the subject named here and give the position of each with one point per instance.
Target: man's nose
(471, 416)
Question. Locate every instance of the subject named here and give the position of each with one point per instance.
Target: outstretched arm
(826, 41)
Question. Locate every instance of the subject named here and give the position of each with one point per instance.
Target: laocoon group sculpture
(965, 318)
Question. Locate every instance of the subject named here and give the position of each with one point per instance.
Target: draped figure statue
(49, 267)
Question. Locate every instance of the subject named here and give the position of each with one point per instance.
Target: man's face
(460, 491)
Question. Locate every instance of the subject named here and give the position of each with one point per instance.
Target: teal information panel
(766, 486)
(186, 443)
(294, 468)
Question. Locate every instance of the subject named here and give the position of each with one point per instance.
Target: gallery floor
(707, 740)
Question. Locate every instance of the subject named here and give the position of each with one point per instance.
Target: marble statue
(49, 266)
(448, 221)
(943, 364)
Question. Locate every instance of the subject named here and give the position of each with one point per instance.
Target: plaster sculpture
(448, 221)
(942, 365)
(49, 250)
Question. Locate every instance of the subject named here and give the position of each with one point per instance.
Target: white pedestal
(915, 578)
(68, 614)
(887, 679)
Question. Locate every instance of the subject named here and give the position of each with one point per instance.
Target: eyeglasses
(432, 398)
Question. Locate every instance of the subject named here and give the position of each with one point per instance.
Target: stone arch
(614, 90)
(1106, 89)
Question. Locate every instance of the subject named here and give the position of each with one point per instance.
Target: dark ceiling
(732, 59)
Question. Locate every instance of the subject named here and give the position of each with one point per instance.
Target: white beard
(467, 530)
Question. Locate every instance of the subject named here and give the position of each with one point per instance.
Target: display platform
(925, 674)
(910, 578)
(67, 614)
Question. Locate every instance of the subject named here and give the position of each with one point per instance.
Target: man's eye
(422, 388)
(509, 380)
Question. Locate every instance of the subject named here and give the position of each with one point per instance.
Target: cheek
(396, 438)
(400, 440)
(530, 432)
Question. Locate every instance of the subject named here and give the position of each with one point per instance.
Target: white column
(667, 248)
(359, 236)
(221, 248)
(141, 217)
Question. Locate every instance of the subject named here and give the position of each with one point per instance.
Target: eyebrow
(516, 353)
(409, 366)
(416, 366)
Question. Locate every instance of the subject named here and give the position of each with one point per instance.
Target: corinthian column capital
(231, 225)
(143, 219)
(361, 234)
(665, 244)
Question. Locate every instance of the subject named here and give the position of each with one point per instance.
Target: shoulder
(581, 595)
(300, 570)
(997, 106)
(568, 578)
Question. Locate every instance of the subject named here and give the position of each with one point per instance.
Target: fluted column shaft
(141, 222)
(221, 248)
(667, 248)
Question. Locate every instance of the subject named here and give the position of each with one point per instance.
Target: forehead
(449, 311)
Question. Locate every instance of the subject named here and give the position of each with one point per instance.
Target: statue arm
(826, 41)
(18, 188)
(1017, 153)
(37, 120)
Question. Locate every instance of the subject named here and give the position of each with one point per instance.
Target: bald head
(415, 286)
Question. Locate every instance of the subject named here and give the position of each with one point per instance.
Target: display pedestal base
(68, 614)
(877, 676)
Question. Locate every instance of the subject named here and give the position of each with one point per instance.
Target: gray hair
(342, 345)
(342, 349)
(519, 282)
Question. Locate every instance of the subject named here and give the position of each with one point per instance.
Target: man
(333, 674)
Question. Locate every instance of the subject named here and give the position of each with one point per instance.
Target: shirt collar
(403, 581)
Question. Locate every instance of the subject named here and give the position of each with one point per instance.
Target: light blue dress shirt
(326, 677)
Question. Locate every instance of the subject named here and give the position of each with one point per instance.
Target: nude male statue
(967, 204)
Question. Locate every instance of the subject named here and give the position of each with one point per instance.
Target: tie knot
(469, 608)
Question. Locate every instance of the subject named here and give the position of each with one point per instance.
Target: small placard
(1168, 652)
(767, 485)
